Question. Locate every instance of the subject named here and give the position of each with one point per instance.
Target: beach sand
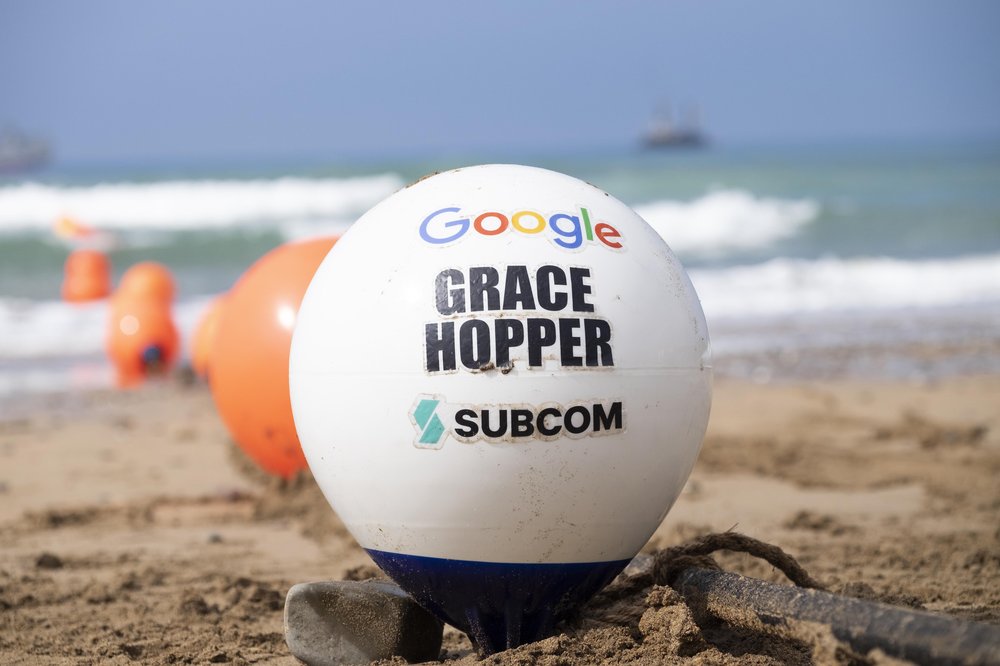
(132, 531)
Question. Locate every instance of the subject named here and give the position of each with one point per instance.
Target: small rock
(48, 561)
(352, 622)
(215, 537)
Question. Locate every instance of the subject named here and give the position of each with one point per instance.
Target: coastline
(131, 529)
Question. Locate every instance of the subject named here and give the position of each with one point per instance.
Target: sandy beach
(132, 530)
(518, 245)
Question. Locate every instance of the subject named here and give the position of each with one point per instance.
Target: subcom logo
(430, 430)
(435, 419)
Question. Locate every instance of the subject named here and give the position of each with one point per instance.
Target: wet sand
(131, 531)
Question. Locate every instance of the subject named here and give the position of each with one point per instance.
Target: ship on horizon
(664, 132)
(20, 152)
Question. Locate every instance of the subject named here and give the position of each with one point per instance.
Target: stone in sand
(49, 561)
(351, 622)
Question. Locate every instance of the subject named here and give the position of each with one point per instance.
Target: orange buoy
(201, 344)
(142, 340)
(147, 280)
(86, 276)
(249, 354)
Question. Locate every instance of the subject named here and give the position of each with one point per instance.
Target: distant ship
(663, 132)
(19, 152)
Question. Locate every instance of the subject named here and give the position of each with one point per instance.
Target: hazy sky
(221, 79)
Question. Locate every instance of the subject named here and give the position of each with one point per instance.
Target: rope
(669, 562)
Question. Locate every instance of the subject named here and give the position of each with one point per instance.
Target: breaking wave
(789, 286)
(38, 329)
(727, 220)
(193, 204)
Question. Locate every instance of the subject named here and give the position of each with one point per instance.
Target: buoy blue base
(500, 606)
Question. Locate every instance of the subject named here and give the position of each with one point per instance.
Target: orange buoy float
(142, 340)
(86, 276)
(147, 280)
(204, 334)
(249, 354)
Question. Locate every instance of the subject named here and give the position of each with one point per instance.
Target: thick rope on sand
(682, 583)
(669, 562)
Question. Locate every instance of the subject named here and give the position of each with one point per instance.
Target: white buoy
(500, 377)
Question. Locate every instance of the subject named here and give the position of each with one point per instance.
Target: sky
(229, 79)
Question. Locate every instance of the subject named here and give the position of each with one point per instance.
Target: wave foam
(191, 204)
(716, 223)
(789, 286)
(727, 220)
(39, 329)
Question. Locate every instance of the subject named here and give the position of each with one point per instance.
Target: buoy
(142, 340)
(86, 276)
(147, 280)
(501, 378)
(201, 343)
(249, 355)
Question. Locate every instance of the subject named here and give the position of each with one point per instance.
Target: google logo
(567, 231)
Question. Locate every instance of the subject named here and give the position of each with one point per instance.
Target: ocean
(810, 262)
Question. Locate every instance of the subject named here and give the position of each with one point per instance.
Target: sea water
(808, 260)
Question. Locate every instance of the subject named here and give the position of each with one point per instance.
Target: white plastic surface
(359, 373)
